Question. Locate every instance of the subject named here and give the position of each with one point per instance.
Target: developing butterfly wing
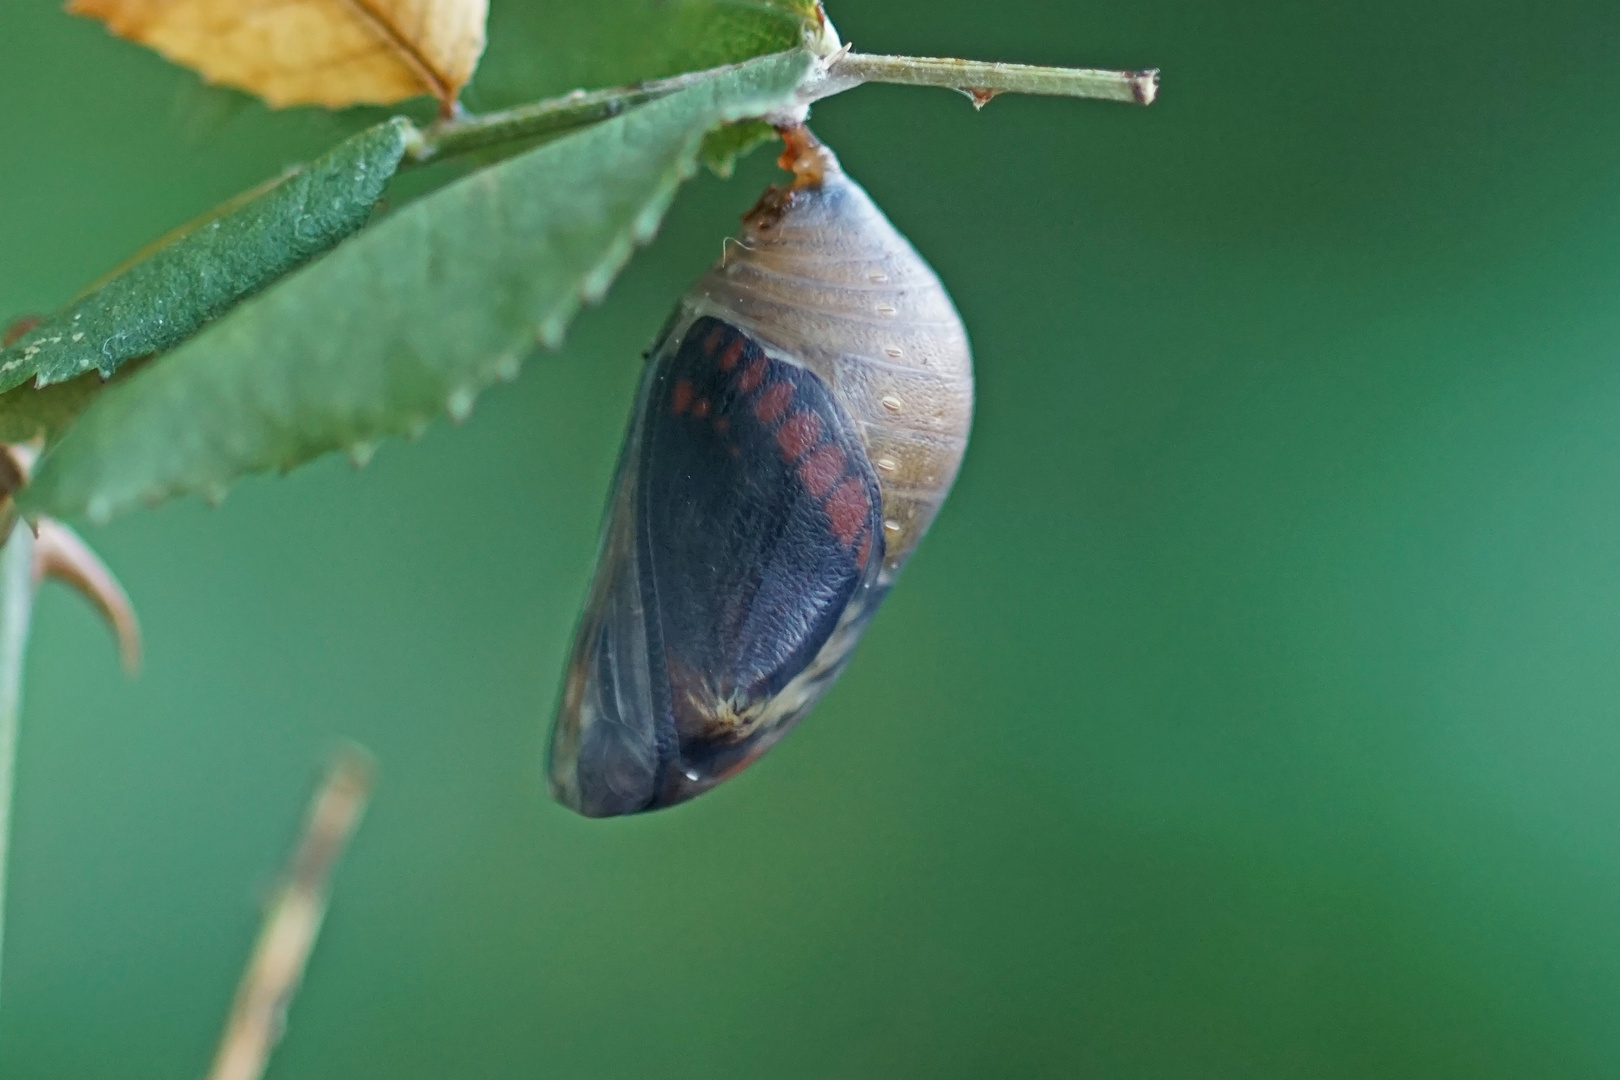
(798, 425)
(760, 519)
(747, 521)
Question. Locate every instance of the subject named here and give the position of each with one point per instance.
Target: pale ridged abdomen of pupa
(821, 278)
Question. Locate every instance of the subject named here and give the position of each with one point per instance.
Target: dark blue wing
(760, 516)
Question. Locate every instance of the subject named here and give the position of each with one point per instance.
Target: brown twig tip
(293, 922)
(1145, 84)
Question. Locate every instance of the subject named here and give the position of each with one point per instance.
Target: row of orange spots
(820, 466)
(847, 506)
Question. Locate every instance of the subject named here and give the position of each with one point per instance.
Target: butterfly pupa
(798, 424)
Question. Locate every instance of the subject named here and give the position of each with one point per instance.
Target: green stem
(977, 77)
(981, 80)
(16, 613)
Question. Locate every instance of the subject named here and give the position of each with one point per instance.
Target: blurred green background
(1253, 709)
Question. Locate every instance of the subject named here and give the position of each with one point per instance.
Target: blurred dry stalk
(258, 1016)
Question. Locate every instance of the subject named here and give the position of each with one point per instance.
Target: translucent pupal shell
(799, 423)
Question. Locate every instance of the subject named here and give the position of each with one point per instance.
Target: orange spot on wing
(798, 436)
(680, 397)
(728, 359)
(752, 376)
(821, 470)
(847, 508)
(712, 341)
(865, 552)
(773, 402)
(700, 409)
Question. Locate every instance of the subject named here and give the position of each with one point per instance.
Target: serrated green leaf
(407, 320)
(723, 146)
(163, 298)
(551, 47)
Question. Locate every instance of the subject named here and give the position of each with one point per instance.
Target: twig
(977, 77)
(291, 924)
(16, 614)
(840, 72)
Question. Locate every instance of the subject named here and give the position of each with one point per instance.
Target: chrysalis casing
(799, 422)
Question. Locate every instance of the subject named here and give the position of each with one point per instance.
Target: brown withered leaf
(311, 52)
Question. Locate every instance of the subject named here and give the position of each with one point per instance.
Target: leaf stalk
(842, 71)
(979, 78)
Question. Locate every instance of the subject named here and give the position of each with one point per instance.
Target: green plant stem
(979, 77)
(981, 80)
(16, 614)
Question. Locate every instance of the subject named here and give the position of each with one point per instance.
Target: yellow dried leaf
(311, 52)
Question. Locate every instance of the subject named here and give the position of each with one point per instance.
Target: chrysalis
(799, 422)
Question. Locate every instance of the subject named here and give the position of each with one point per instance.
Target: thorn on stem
(60, 553)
